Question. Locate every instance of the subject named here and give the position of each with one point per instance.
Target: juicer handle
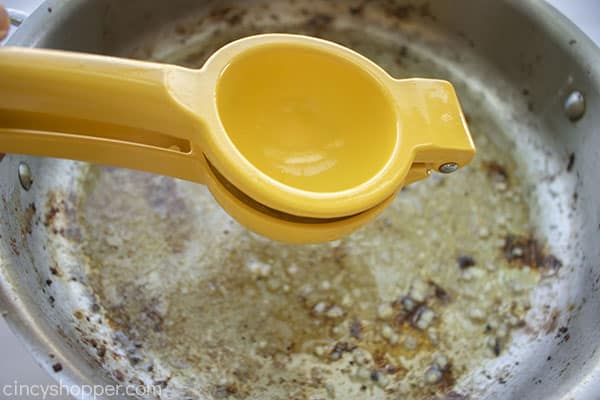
(439, 136)
(99, 109)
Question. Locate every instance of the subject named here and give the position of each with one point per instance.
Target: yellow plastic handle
(430, 110)
(95, 108)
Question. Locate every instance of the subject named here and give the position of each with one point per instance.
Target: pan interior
(439, 296)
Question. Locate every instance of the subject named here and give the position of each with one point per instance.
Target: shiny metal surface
(533, 68)
(25, 177)
(448, 168)
(575, 105)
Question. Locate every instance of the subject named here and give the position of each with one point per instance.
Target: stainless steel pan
(480, 285)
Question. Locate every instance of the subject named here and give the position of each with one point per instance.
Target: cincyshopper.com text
(59, 390)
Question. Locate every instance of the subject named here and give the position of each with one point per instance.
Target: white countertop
(16, 364)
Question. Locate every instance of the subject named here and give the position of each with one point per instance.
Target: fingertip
(4, 22)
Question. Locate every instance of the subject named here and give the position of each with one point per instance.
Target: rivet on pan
(575, 105)
(16, 17)
(448, 167)
(25, 175)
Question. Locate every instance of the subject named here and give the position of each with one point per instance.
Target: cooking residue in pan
(404, 308)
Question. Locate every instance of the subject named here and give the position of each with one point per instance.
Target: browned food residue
(407, 307)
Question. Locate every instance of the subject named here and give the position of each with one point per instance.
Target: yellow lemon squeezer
(299, 139)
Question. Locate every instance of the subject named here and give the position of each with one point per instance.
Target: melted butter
(307, 118)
